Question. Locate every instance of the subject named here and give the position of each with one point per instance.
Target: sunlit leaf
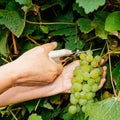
(34, 117)
(112, 22)
(108, 109)
(90, 5)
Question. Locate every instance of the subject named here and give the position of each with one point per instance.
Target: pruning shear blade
(66, 52)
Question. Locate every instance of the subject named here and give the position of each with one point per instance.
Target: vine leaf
(12, 21)
(85, 25)
(99, 20)
(90, 5)
(112, 22)
(108, 109)
(34, 117)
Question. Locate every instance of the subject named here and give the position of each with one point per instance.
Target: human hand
(61, 85)
(36, 67)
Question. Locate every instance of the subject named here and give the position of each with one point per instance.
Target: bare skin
(34, 67)
(30, 81)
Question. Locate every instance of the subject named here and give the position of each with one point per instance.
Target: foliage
(74, 24)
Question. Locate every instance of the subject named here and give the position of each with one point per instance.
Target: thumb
(50, 46)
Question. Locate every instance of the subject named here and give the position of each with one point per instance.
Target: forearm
(21, 93)
(8, 75)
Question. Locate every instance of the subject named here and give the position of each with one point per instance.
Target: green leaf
(3, 43)
(116, 75)
(108, 109)
(73, 44)
(85, 25)
(80, 10)
(12, 21)
(112, 22)
(90, 5)
(34, 117)
(65, 31)
(99, 21)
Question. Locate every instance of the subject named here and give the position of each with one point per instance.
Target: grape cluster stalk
(85, 82)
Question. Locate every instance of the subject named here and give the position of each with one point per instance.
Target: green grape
(84, 108)
(95, 88)
(83, 56)
(90, 95)
(85, 68)
(85, 82)
(91, 81)
(79, 78)
(94, 63)
(84, 62)
(77, 70)
(98, 58)
(78, 107)
(82, 101)
(86, 76)
(83, 94)
(73, 100)
(72, 109)
(97, 80)
(86, 88)
(77, 87)
(100, 70)
(89, 58)
(94, 73)
(89, 52)
(77, 95)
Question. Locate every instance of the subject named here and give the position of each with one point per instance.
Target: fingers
(50, 46)
(103, 78)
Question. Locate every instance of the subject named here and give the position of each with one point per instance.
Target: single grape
(97, 80)
(77, 95)
(77, 70)
(94, 63)
(72, 109)
(84, 108)
(86, 76)
(95, 88)
(98, 58)
(85, 68)
(82, 101)
(89, 52)
(83, 56)
(79, 78)
(73, 100)
(77, 87)
(86, 88)
(78, 107)
(83, 94)
(90, 95)
(94, 73)
(91, 81)
(89, 58)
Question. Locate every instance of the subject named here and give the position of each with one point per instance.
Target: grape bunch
(85, 82)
